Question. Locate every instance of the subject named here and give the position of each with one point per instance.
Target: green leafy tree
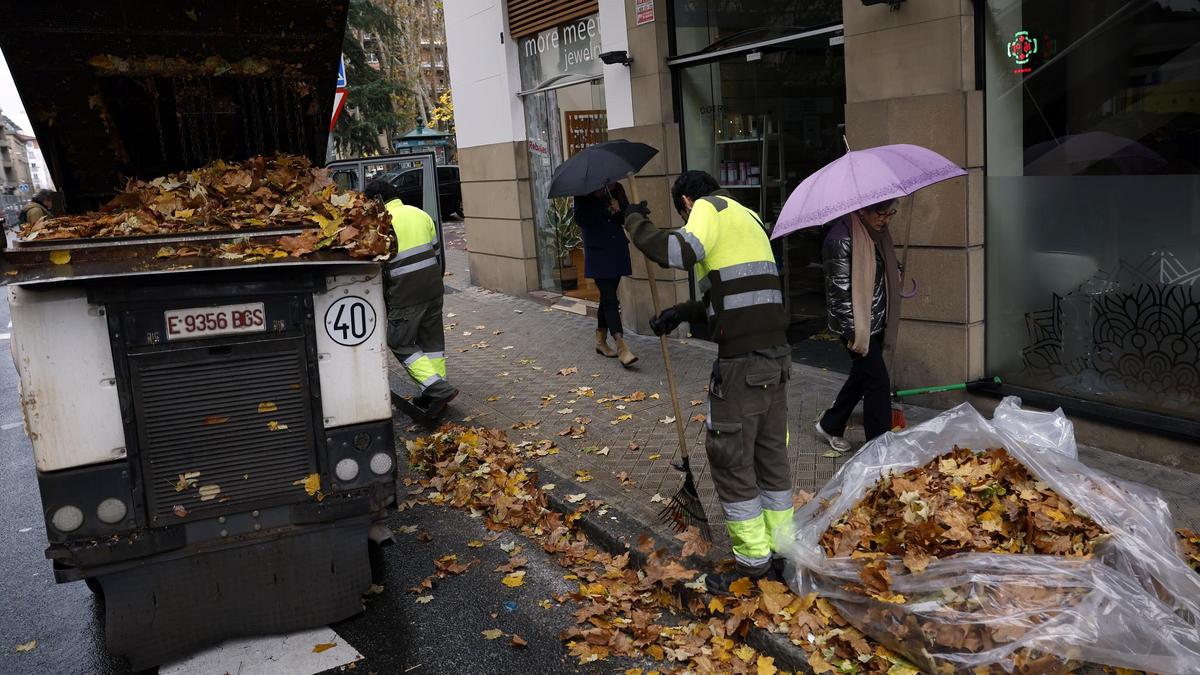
(374, 102)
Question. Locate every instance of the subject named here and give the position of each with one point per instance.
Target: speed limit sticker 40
(350, 321)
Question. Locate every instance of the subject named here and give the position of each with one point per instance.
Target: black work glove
(639, 207)
(666, 321)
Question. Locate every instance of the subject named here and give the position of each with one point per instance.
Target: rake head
(685, 509)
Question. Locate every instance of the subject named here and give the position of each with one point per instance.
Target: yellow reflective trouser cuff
(439, 362)
(780, 527)
(747, 533)
(423, 370)
(777, 514)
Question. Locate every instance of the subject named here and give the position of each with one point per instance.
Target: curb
(616, 533)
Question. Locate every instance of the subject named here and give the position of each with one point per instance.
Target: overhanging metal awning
(559, 83)
(700, 57)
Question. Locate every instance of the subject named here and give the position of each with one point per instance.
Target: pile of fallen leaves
(259, 195)
(964, 502)
(623, 609)
(959, 502)
(1189, 544)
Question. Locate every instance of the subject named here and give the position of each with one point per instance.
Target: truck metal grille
(203, 415)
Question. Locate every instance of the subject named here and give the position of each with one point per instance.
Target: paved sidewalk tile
(505, 355)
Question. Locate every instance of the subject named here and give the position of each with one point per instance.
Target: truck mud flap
(166, 609)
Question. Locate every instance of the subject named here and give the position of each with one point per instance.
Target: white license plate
(198, 322)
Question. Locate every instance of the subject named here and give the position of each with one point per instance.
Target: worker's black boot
(438, 397)
(718, 583)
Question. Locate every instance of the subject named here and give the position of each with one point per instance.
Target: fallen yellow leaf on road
(209, 492)
(741, 587)
(324, 647)
(267, 406)
(515, 579)
(766, 665)
(492, 633)
(568, 371)
(27, 646)
(475, 543)
(575, 499)
(654, 456)
(745, 652)
(424, 599)
(215, 419)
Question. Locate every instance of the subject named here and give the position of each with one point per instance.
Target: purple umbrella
(861, 178)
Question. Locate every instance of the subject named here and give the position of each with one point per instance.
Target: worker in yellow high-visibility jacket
(413, 291)
(725, 244)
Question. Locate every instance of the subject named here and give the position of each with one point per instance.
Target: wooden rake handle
(662, 339)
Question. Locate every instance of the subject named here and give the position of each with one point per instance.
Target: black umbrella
(598, 165)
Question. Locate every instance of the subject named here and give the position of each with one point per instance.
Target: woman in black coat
(606, 260)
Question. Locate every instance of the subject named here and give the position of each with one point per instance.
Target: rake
(685, 508)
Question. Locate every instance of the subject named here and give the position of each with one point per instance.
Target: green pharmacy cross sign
(1021, 50)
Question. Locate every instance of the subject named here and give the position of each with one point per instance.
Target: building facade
(1064, 262)
(39, 172)
(15, 178)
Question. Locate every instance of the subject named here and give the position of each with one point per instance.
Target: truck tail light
(111, 511)
(346, 470)
(67, 519)
(381, 463)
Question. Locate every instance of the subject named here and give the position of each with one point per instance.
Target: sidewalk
(512, 379)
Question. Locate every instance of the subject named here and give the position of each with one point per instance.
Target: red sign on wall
(645, 11)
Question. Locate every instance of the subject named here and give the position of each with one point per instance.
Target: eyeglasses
(885, 214)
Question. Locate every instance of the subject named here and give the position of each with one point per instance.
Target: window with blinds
(528, 17)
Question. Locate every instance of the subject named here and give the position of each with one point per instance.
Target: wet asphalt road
(395, 633)
(64, 619)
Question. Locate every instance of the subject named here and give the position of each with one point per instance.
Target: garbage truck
(213, 437)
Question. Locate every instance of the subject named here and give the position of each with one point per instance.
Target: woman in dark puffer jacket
(862, 296)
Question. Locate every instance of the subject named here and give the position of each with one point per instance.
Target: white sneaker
(838, 443)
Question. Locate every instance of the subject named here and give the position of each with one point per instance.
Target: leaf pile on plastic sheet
(1189, 543)
(1039, 565)
(959, 502)
(254, 196)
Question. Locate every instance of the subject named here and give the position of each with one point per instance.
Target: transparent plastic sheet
(1135, 604)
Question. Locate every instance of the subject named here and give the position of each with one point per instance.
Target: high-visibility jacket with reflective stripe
(413, 274)
(725, 243)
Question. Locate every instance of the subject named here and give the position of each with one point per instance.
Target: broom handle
(662, 339)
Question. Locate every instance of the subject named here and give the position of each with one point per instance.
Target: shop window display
(760, 122)
(1093, 200)
(564, 113)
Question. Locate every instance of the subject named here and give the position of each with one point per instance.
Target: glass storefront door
(1093, 200)
(760, 123)
(559, 122)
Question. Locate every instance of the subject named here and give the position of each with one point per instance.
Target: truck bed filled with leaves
(259, 194)
(265, 209)
(1018, 558)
